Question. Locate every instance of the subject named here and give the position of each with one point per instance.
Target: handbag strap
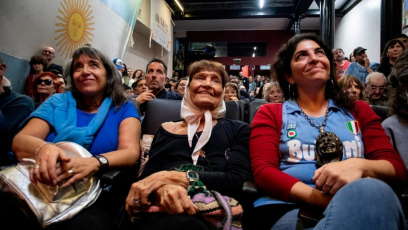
(227, 221)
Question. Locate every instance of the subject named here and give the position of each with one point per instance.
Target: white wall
(140, 54)
(361, 27)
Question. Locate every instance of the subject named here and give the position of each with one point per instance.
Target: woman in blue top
(94, 114)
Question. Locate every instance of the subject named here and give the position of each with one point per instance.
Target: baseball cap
(118, 63)
(358, 50)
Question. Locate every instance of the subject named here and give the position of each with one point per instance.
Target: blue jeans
(363, 204)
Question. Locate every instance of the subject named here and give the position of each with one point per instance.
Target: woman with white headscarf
(203, 139)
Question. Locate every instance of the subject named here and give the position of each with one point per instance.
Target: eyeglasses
(381, 88)
(46, 81)
(47, 52)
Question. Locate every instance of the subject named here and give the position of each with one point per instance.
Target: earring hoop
(291, 93)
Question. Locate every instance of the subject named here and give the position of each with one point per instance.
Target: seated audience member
(302, 156)
(258, 81)
(181, 86)
(203, 139)
(259, 93)
(341, 64)
(352, 88)
(14, 109)
(37, 64)
(170, 86)
(376, 89)
(119, 66)
(139, 87)
(128, 91)
(243, 80)
(175, 75)
(48, 54)
(392, 50)
(243, 93)
(351, 58)
(129, 73)
(62, 83)
(362, 66)
(125, 76)
(396, 126)
(46, 84)
(156, 78)
(251, 84)
(141, 94)
(138, 74)
(231, 92)
(402, 38)
(94, 114)
(273, 92)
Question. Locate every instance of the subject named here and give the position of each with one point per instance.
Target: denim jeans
(363, 204)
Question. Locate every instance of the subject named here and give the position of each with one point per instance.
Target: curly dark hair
(142, 74)
(113, 88)
(281, 67)
(398, 101)
(37, 60)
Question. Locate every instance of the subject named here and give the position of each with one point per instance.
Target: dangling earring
(332, 82)
(291, 93)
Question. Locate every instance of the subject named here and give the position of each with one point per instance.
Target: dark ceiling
(236, 9)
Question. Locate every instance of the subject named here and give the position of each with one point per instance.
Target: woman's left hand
(331, 177)
(141, 190)
(77, 169)
(175, 200)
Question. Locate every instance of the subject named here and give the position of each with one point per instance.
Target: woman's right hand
(233, 99)
(45, 169)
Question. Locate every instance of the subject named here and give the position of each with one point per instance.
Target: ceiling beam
(299, 12)
(347, 7)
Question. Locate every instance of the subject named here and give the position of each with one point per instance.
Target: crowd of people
(315, 144)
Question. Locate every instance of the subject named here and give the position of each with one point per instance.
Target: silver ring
(137, 202)
(37, 166)
(70, 171)
(328, 185)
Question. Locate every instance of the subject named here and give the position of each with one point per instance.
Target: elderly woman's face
(275, 94)
(89, 76)
(310, 65)
(206, 90)
(45, 85)
(352, 91)
(181, 86)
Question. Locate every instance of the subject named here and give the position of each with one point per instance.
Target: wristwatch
(192, 176)
(103, 161)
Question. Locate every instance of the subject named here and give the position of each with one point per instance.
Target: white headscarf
(192, 115)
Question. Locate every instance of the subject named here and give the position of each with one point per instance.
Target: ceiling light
(254, 47)
(261, 3)
(179, 5)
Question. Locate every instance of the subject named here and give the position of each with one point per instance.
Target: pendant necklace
(201, 152)
(329, 148)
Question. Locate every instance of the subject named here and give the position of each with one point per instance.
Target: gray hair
(267, 88)
(373, 74)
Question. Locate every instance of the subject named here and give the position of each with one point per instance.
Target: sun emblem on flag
(75, 21)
